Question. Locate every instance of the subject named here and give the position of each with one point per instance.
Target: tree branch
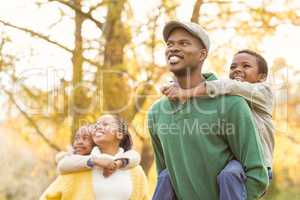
(97, 6)
(47, 39)
(196, 11)
(78, 9)
(31, 121)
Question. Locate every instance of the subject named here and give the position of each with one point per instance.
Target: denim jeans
(231, 181)
(164, 189)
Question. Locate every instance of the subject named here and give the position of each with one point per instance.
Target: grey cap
(193, 28)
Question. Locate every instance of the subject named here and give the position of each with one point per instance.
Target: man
(195, 140)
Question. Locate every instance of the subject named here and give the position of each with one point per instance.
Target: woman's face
(83, 142)
(106, 131)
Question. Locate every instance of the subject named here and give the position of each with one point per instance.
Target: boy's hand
(112, 167)
(174, 92)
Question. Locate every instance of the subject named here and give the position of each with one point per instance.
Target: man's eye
(184, 43)
(247, 66)
(232, 67)
(169, 44)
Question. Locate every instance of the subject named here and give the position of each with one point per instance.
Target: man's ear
(262, 77)
(203, 54)
(119, 135)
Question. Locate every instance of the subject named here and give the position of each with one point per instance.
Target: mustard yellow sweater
(79, 186)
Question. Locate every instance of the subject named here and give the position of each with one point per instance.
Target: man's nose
(174, 48)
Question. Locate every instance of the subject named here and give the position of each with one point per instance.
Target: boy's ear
(262, 77)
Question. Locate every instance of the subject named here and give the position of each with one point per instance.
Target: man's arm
(258, 95)
(245, 144)
(158, 151)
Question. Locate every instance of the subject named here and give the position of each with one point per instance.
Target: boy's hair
(126, 142)
(261, 62)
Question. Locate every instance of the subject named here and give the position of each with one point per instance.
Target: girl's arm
(75, 163)
(129, 159)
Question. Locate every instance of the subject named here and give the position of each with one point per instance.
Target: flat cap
(195, 29)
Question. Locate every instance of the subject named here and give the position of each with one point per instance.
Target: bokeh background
(64, 62)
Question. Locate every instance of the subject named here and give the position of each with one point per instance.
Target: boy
(248, 73)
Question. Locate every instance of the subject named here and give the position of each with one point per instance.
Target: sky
(50, 63)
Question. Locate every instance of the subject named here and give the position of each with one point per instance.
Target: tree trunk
(196, 11)
(111, 80)
(77, 60)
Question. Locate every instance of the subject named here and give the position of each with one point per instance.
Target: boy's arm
(245, 144)
(258, 95)
(132, 158)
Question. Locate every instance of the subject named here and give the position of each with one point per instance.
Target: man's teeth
(174, 59)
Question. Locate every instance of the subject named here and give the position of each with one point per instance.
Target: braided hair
(126, 142)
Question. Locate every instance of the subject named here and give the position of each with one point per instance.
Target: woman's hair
(261, 62)
(126, 142)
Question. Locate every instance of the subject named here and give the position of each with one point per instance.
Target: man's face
(184, 52)
(244, 67)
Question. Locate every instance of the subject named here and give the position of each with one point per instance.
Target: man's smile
(174, 59)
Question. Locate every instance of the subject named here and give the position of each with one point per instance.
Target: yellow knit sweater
(78, 186)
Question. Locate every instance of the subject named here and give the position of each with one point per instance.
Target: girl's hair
(261, 62)
(126, 142)
(88, 129)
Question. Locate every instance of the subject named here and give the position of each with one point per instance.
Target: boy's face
(244, 67)
(83, 142)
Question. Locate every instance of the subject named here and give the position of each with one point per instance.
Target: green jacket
(195, 141)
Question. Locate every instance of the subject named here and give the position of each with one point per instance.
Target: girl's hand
(112, 167)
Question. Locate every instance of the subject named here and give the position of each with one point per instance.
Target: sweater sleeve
(246, 146)
(157, 147)
(258, 95)
(73, 163)
(133, 157)
(54, 191)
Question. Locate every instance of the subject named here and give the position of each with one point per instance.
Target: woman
(111, 138)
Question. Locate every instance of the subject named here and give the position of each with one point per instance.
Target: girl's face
(83, 142)
(106, 131)
(244, 67)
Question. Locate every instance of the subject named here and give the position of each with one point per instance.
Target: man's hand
(112, 167)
